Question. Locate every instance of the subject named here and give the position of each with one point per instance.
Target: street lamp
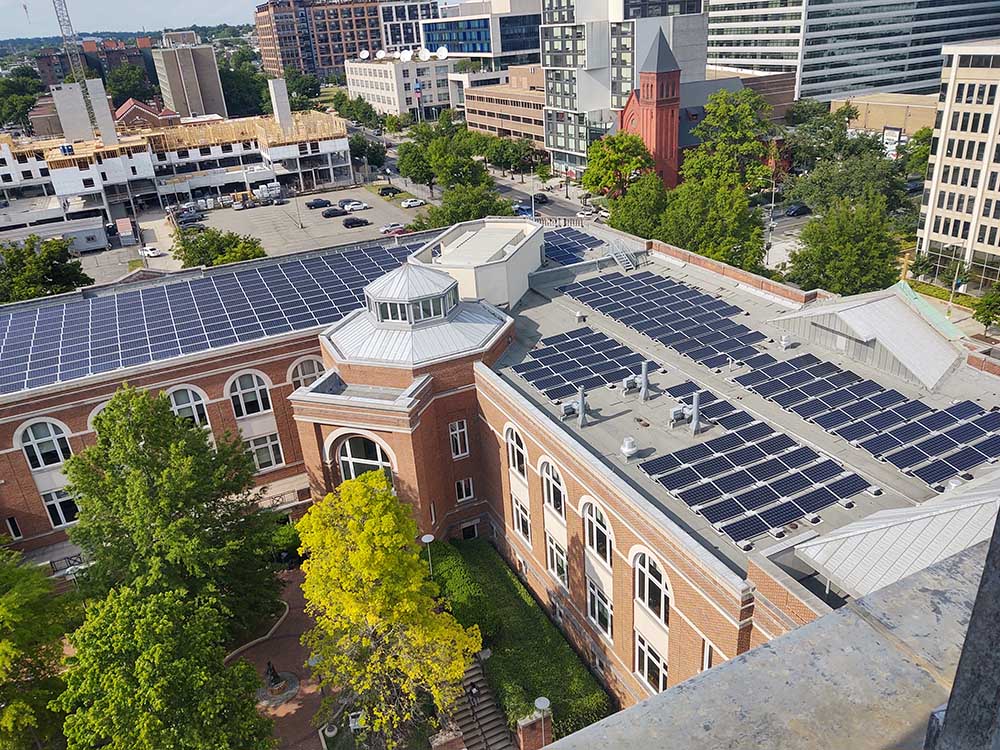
(542, 704)
(427, 539)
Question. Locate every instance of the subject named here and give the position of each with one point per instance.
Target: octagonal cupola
(411, 295)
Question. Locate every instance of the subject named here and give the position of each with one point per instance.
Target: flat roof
(474, 243)
(546, 312)
(887, 98)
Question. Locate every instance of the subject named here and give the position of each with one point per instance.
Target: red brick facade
(652, 112)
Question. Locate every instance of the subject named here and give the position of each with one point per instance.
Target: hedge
(939, 292)
(530, 656)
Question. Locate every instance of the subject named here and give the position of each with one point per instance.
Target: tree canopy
(245, 90)
(852, 178)
(301, 84)
(414, 165)
(986, 309)
(464, 203)
(129, 81)
(613, 162)
(148, 674)
(213, 247)
(19, 90)
(162, 501)
(917, 152)
(381, 635)
(804, 110)
(38, 268)
(850, 249)
(639, 211)
(824, 136)
(372, 151)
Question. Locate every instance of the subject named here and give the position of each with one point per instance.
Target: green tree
(24, 71)
(468, 65)
(244, 89)
(917, 152)
(382, 635)
(500, 154)
(613, 162)
(921, 265)
(522, 152)
(212, 247)
(342, 103)
(734, 140)
(363, 112)
(464, 203)
(805, 110)
(33, 621)
(850, 249)
(414, 165)
(301, 84)
(38, 268)
(445, 125)
(161, 500)
(825, 137)
(361, 147)
(453, 166)
(986, 309)
(638, 212)
(851, 178)
(129, 81)
(713, 217)
(148, 673)
(544, 172)
(15, 108)
(19, 91)
(392, 124)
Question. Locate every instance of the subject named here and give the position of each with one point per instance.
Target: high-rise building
(499, 33)
(189, 79)
(316, 36)
(591, 51)
(960, 216)
(852, 46)
(401, 22)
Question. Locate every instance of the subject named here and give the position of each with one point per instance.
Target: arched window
(306, 372)
(598, 532)
(515, 453)
(249, 395)
(45, 445)
(552, 488)
(359, 455)
(651, 587)
(188, 404)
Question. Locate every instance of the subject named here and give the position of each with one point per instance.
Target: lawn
(326, 95)
(530, 656)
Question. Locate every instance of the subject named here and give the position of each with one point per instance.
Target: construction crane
(72, 46)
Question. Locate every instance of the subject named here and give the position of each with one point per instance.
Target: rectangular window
(522, 519)
(599, 609)
(650, 665)
(13, 527)
(707, 655)
(458, 432)
(265, 451)
(464, 489)
(555, 561)
(88, 183)
(61, 507)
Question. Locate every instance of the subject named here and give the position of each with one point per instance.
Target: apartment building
(101, 56)
(960, 216)
(396, 87)
(511, 110)
(401, 23)
(499, 33)
(316, 36)
(846, 48)
(591, 53)
(189, 79)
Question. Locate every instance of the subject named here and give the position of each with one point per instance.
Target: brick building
(510, 110)
(638, 445)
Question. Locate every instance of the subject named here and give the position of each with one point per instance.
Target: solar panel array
(580, 358)
(752, 479)
(689, 321)
(56, 343)
(567, 245)
(700, 326)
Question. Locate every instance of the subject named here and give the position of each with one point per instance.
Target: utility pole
(954, 283)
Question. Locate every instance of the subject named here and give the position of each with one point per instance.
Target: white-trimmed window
(265, 451)
(515, 453)
(599, 608)
(552, 488)
(651, 588)
(359, 455)
(306, 372)
(707, 655)
(188, 404)
(522, 519)
(249, 395)
(13, 528)
(45, 445)
(555, 560)
(598, 532)
(464, 490)
(458, 433)
(649, 664)
(61, 507)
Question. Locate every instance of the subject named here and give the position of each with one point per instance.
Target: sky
(119, 15)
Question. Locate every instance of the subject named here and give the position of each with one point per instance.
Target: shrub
(940, 292)
(530, 657)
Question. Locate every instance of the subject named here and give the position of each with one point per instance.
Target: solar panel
(798, 457)
(781, 515)
(907, 457)
(775, 445)
(990, 447)
(660, 464)
(816, 500)
(855, 431)
(965, 459)
(734, 482)
(756, 431)
(790, 484)
(713, 466)
(700, 494)
(767, 469)
(757, 497)
(935, 472)
(989, 421)
(675, 480)
(745, 529)
(746, 455)
(880, 444)
(693, 453)
(723, 511)
(724, 443)
(735, 420)
(848, 486)
(964, 410)
(822, 471)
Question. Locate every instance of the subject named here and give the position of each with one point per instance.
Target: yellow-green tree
(382, 638)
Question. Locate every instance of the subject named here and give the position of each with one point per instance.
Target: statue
(273, 681)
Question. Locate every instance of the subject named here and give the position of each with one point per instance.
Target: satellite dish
(442, 53)
(406, 55)
(424, 54)
(364, 54)
(380, 54)
(396, 54)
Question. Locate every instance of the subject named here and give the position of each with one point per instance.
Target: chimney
(581, 411)
(695, 412)
(102, 111)
(72, 111)
(644, 383)
(280, 106)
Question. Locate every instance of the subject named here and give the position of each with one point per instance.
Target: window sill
(269, 470)
(604, 636)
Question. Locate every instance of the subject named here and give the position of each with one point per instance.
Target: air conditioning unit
(630, 383)
(569, 409)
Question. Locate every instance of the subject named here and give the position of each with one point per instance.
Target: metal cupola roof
(408, 283)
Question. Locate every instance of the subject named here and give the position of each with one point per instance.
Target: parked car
(541, 198)
(318, 203)
(195, 227)
(523, 211)
(184, 221)
(390, 227)
(280, 201)
(356, 206)
(913, 187)
(389, 191)
(586, 213)
(798, 209)
(394, 232)
(355, 221)
(238, 205)
(412, 203)
(329, 213)
(344, 201)
(150, 252)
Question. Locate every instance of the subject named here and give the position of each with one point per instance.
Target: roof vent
(785, 341)
(629, 447)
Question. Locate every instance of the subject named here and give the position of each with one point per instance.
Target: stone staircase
(483, 725)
